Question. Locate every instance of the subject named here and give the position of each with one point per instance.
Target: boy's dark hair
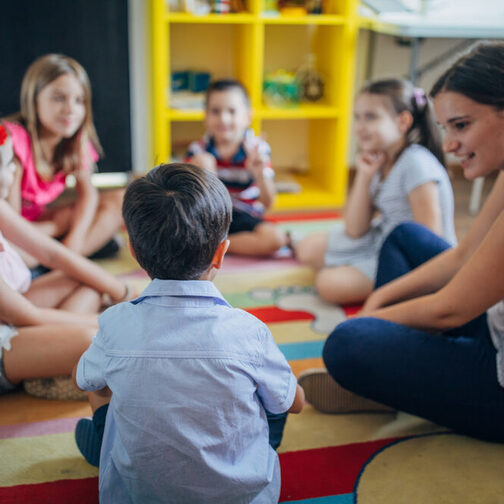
(226, 85)
(478, 75)
(403, 95)
(176, 217)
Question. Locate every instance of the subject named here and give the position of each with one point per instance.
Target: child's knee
(273, 237)
(327, 286)
(305, 252)
(112, 199)
(83, 339)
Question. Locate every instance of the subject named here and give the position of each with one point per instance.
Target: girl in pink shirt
(45, 325)
(53, 136)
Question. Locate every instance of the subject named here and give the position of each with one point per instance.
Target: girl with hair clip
(430, 339)
(400, 176)
(45, 325)
(53, 135)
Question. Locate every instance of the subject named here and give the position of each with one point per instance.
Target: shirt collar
(239, 157)
(183, 288)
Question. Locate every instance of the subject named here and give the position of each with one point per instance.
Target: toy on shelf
(299, 7)
(314, 6)
(227, 6)
(311, 85)
(238, 6)
(281, 89)
(188, 89)
(221, 7)
(271, 8)
(287, 89)
(189, 80)
(197, 7)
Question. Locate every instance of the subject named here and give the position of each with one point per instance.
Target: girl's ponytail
(424, 130)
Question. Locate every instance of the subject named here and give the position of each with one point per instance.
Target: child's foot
(87, 441)
(293, 238)
(327, 396)
(110, 249)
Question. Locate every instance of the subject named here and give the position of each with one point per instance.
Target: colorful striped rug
(325, 459)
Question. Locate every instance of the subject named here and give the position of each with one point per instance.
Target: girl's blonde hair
(70, 152)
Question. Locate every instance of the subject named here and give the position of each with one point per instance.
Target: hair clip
(420, 98)
(3, 134)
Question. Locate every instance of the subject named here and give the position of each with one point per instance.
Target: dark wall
(95, 33)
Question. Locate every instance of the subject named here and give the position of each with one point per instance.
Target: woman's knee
(348, 350)
(402, 232)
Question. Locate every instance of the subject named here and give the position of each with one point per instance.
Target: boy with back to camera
(242, 162)
(188, 377)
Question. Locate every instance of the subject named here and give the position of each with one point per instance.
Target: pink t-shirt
(13, 270)
(36, 192)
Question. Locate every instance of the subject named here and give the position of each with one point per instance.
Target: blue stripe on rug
(330, 499)
(305, 350)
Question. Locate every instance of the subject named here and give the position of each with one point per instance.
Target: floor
(462, 191)
(40, 432)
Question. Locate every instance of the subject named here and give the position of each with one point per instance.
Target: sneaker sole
(327, 396)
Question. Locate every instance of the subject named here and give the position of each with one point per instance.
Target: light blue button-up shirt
(188, 374)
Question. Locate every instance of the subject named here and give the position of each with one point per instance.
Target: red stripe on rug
(268, 314)
(320, 472)
(306, 474)
(306, 216)
(71, 491)
(351, 310)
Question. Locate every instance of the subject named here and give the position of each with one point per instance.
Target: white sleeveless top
(496, 326)
(13, 270)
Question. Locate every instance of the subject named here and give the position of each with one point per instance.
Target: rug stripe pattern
(314, 476)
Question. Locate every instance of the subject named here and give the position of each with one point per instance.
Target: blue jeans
(276, 423)
(449, 378)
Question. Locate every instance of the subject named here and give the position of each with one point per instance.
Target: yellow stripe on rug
(42, 458)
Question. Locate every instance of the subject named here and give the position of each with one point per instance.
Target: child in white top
(45, 325)
(399, 177)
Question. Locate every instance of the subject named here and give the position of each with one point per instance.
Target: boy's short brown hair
(176, 217)
(226, 85)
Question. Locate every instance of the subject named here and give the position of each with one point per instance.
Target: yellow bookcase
(310, 139)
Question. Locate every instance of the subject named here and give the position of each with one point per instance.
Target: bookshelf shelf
(311, 138)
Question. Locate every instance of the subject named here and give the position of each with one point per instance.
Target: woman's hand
(373, 302)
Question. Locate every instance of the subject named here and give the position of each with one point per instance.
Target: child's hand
(256, 161)
(370, 163)
(206, 161)
(130, 292)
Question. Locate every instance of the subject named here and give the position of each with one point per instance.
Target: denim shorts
(7, 332)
